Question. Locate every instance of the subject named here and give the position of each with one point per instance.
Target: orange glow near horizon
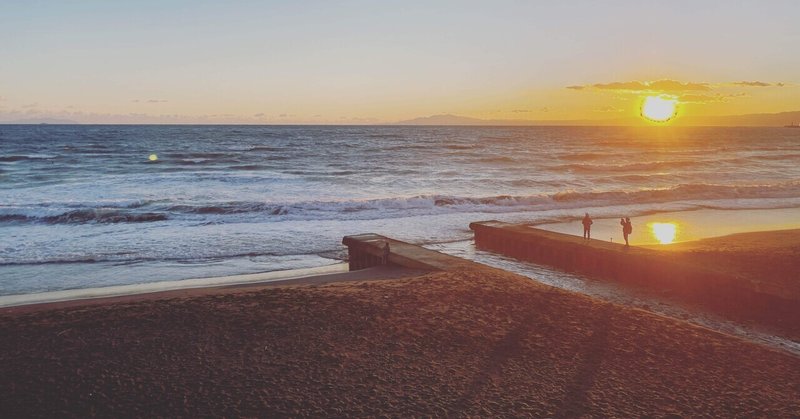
(659, 108)
(664, 232)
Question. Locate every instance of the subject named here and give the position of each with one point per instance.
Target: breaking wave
(150, 211)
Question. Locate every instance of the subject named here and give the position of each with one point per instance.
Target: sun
(659, 108)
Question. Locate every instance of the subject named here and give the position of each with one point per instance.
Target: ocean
(83, 206)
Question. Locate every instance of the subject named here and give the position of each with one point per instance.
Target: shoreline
(194, 287)
(688, 217)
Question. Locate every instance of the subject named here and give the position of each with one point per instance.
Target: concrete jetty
(652, 269)
(367, 250)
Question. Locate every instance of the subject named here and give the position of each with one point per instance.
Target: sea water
(84, 206)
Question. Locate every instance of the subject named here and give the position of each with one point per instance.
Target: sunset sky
(374, 62)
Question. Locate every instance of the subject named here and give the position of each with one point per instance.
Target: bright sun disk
(659, 108)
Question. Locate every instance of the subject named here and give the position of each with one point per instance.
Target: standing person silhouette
(627, 228)
(587, 227)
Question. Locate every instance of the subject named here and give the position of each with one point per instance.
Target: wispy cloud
(608, 109)
(715, 98)
(744, 83)
(258, 115)
(702, 98)
(521, 111)
(662, 86)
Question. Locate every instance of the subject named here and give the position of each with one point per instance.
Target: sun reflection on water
(664, 232)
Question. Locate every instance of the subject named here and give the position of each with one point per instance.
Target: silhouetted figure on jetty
(627, 228)
(385, 253)
(587, 226)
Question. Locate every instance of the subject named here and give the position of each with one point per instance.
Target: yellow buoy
(153, 157)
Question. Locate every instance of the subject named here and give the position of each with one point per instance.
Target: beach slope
(470, 342)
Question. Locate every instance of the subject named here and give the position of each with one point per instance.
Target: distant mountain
(748, 120)
(448, 119)
(443, 120)
(753, 120)
(53, 121)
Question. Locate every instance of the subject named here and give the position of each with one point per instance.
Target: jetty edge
(657, 271)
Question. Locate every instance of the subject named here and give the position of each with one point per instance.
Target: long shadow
(505, 348)
(594, 349)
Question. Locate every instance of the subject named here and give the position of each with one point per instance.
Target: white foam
(134, 289)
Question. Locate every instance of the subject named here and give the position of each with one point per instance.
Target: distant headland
(753, 120)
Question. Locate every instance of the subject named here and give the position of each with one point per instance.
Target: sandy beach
(354, 209)
(466, 343)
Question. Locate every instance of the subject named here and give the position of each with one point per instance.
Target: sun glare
(659, 108)
(664, 232)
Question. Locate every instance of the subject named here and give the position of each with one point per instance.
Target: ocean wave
(630, 167)
(84, 216)
(133, 257)
(11, 159)
(496, 159)
(103, 216)
(395, 207)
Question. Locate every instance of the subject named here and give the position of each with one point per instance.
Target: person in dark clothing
(627, 228)
(385, 253)
(587, 226)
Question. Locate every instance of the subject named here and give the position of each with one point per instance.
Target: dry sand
(468, 343)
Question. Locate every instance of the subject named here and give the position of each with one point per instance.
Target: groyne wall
(367, 250)
(651, 269)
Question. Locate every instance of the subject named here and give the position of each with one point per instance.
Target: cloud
(751, 83)
(361, 120)
(676, 86)
(156, 101)
(617, 85)
(544, 109)
(608, 109)
(703, 99)
(757, 84)
(30, 105)
(521, 111)
(258, 115)
(663, 86)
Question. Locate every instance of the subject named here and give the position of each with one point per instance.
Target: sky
(352, 62)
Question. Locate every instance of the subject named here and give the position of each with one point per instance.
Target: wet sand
(466, 343)
(766, 261)
(768, 258)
